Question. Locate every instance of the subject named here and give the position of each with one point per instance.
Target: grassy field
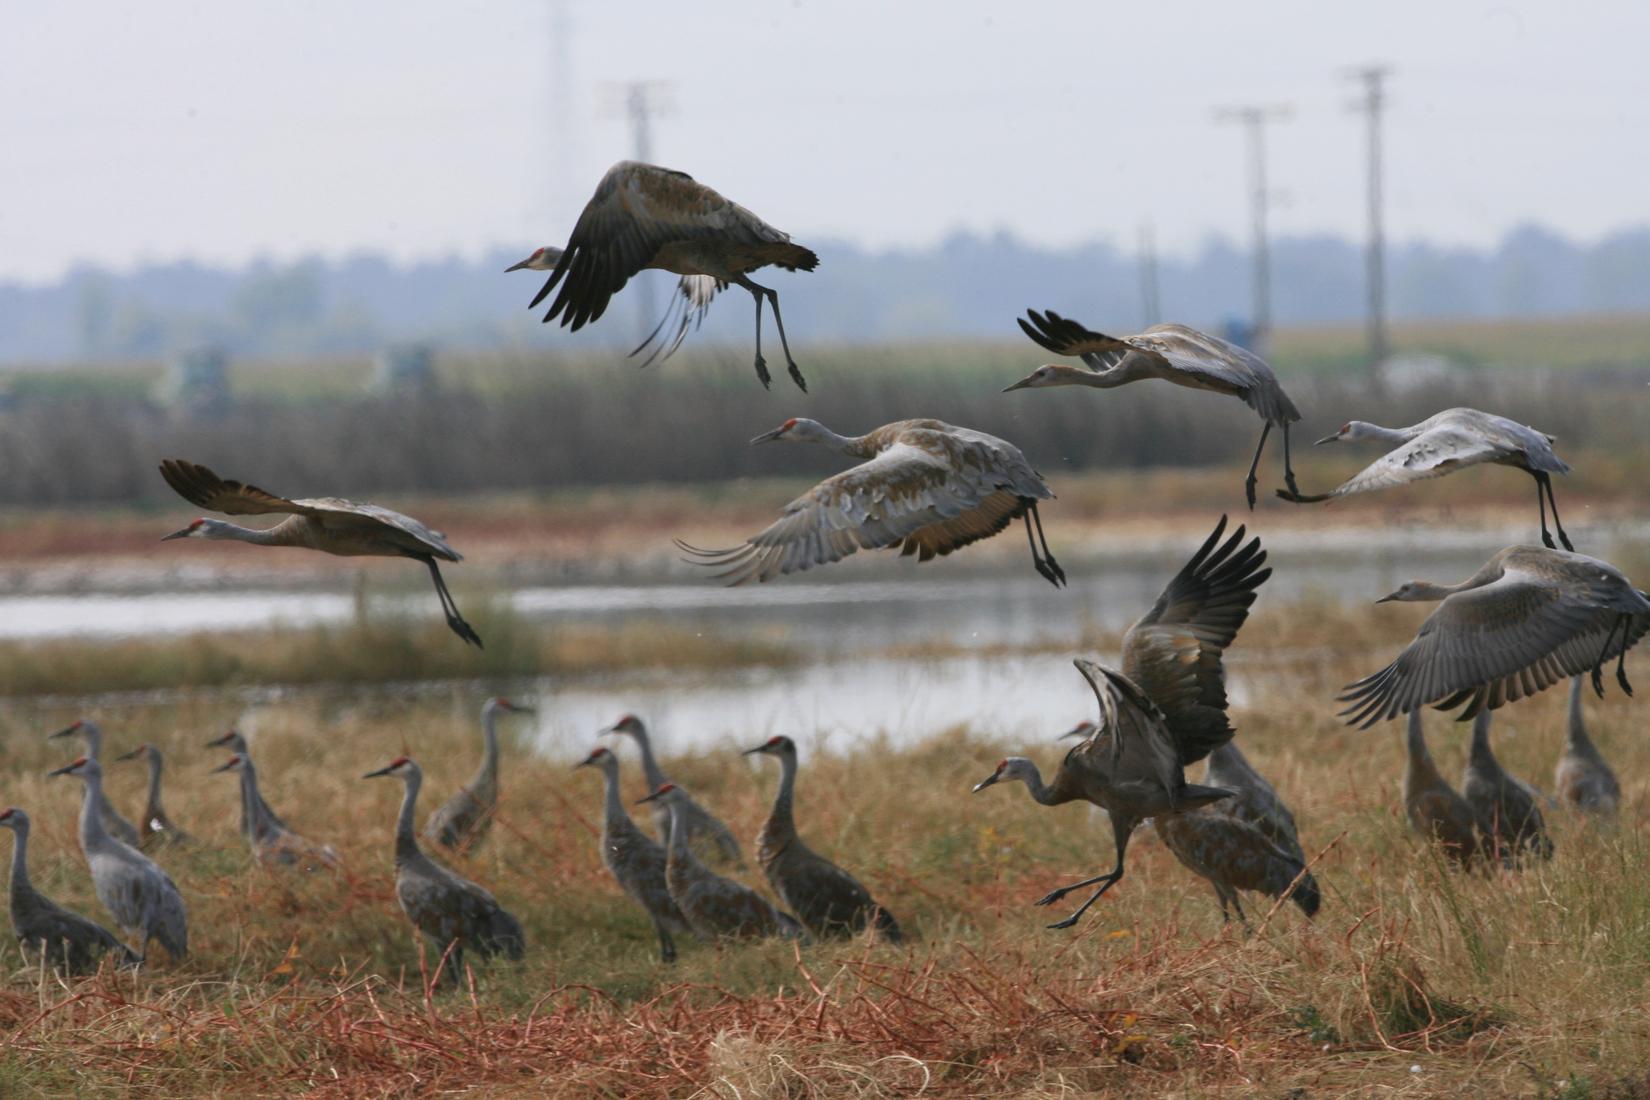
(1411, 981)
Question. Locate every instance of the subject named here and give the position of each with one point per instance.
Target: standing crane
(1173, 353)
(1583, 779)
(687, 308)
(452, 912)
(331, 525)
(465, 818)
(272, 843)
(1527, 619)
(923, 485)
(92, 737)
(716, 908)
(63, 938)
(141, 897)
(157, 830)
(1435, 811)
(636, 861)
(1232, 854)
(703, 829)
(825, 898)
(1253, 799)
(1508, 809)
(1442, 444)
(256, 808)
(643, 216)
(1164, 711)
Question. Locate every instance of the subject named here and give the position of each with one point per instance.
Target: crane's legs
(1544, 481)
(1044, 562)
(448, 607)
(1623, 624)
(779, 323)
(1288, 470)
(761, 363)
(667, 946)
(1121, 831)
(1249, 483)
(759, 292)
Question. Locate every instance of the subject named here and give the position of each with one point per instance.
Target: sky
(226, 132)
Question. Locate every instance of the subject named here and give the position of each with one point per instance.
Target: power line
(1150, 300)
(1374, 99)
(1254, 120)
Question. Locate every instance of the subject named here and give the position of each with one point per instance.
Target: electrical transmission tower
(1254, 120)
(641, 101)
(1150, 298)
(1373, 78)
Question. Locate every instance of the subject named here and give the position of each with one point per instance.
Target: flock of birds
(1532, 616)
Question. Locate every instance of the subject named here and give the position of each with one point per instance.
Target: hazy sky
(223, 131)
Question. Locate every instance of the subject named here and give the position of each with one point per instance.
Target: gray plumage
(1434, 809)
(67, 939)
(636, 861)
(450, 910)
(826, 899)
(157, 829)
(253, 806)
(1443, 443)
(1583, 779)
(464, 820)
(716, 908)
(1527, 619)
(1508, 810)
(705, 832)
(1173, 353)
(142, 898)
(272, 843)
(1253, 798)
(91, 737)
(1232, 855)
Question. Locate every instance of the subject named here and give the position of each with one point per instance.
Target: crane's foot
(465, 631)
(1289, 480)
(1051, 571)
(1069, 922)
(1249, 490)
(796, 376)
(762, 372)
(1565, 539)
(1621, 678)
(1598, 681)
(1050, 899)
(1547, 540)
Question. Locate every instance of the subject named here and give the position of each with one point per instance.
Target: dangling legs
(757, 292)
(1288, 467)
(1048, 555)
(1545, 480)
(1624, 624)
(1249, 484)
(448, 607)
(1541, 502)
(796, 371)
(1036, 558)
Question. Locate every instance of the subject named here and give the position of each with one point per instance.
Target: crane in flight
(1173, 353)
(331, 525)
(922, 485)
(1444, 443)
(644, 216)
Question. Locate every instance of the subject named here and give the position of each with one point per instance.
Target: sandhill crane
(1164, 711)
(1173, 353)
(66, 939)
(1232, 854)
(1253, 799)
(272, 843)
(687, 309)
(1434, 809)
(92, 737)
(825, 898)
(464, 819)
(1527, 619)
(157, 829)
(1583, 780)
(253, 805)
(636, 860)
(453, 913)
(924, 486)
(1451, 440)
(141, 897)
(1508, 810)
(703, 829)
(643, 216)
(716, 908)
(328, 524)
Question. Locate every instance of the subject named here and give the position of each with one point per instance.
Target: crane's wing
(338, 512)
(637, 210)
(1433, 453)
(905, 494)
(1494, 645)
(1131, 731)
(687, 310)
(1174, 651)
(198, 485)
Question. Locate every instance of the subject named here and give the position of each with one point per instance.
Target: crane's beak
(654, 797)
(588, 761)
(518, 267)
(64, 732)
(183, 534)
(1023, 383)
(517, 708)
(380, 772)
(1388, 599)
(760, 748)
(133, 755)
(1328, 439)
(988, 781)
(64, 770)
(1081, 729)
(768, 437)
(224, 740)
(226, 765)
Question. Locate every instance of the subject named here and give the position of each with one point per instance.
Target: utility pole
(1254, 120)
(1150, 302)
(641, 100)
(1373, 101)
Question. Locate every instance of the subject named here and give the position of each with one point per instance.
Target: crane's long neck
(613, 811)
(92, 833)
(282, 534)
(406, 838)
(252, 802)
(1481, 755)
(782, 821)
(1423, 772)
(487, 775)
(20, 862)
(650, 764)
(1579, 741)
(1391, 436)
(153, 810)
(1039, 790)
(677, 848)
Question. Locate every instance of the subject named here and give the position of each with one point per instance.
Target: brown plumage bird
(825, 898)
(922, 485)
(1232, 855)
(644, 216)
(1434, 809)
(1583, 779)
(331, 525)
(464, 820)
(1507, 808)
(156, 829)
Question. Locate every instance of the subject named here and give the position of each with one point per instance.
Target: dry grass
(1412, 981)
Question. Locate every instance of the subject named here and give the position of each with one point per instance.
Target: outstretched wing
(200, 486)
(687, 309)
(1433, 453)
(1493, 645)
(1174, 651)
(906, 494)
(1131, 741)
(637, 210)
